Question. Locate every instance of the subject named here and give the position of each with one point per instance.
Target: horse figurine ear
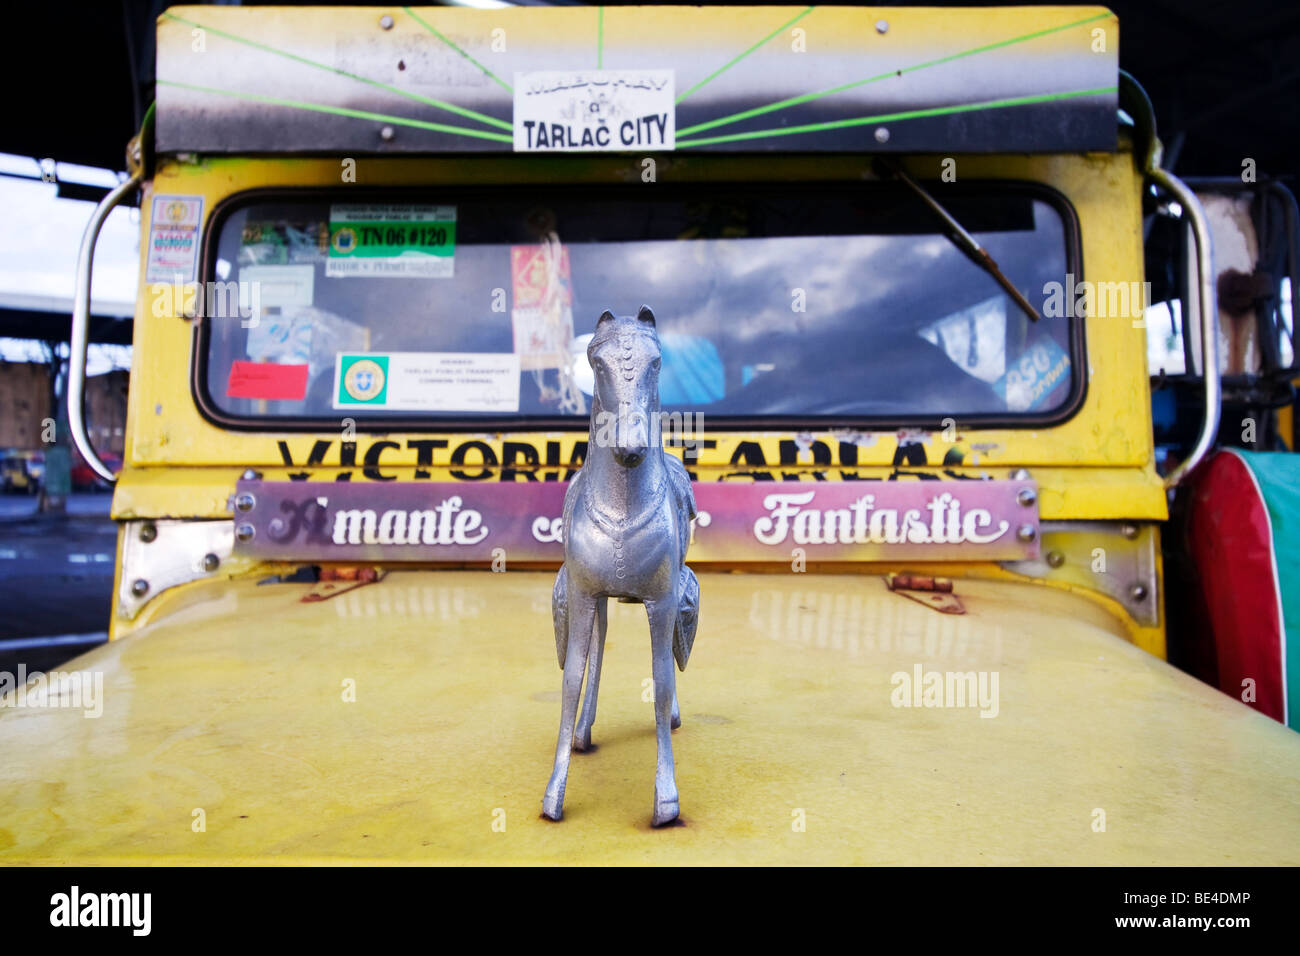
(606, 316)
(645, 315)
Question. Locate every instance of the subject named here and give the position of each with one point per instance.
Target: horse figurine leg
(582, 736)
(582, 617)
(663, 616)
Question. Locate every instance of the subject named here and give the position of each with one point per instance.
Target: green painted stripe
(343, 111)
(440, 104)
(432, 29)
(890, 117)
(807, 97)
(726, 66)
(600, 37)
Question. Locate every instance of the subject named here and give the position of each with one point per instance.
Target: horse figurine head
(625, 359)
(627, 516)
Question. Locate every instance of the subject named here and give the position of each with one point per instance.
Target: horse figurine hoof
(626, 526)
(553, 806)
(666, 811)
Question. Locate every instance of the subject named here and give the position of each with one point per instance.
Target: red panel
(1230, 543)
(267, 380)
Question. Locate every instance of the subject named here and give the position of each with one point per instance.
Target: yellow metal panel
(232, 702)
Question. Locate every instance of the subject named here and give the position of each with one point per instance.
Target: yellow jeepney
(374, 244)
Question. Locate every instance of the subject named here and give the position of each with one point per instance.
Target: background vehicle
(22, 471)
(331, 631)
(84, 477)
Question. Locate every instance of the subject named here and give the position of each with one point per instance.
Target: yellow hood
(231, 710)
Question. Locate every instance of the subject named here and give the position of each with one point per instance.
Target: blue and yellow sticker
(1029, 382)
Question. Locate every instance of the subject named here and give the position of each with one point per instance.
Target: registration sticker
(428, 381)
(174, 238)
(589, 111)
(391, 240)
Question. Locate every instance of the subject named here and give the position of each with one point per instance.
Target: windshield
(773, 303)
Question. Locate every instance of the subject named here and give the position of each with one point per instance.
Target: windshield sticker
(392, 241)
(1030, 381)
(428, 381)
(281, 338)
(542, 307)
(281, 287)
(267, 380)
(279, 242)
(174, 238)
(594, 111)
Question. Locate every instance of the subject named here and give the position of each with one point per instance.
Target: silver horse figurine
(627, 517)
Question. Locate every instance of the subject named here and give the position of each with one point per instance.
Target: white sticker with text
(428, 381)
(594, 111)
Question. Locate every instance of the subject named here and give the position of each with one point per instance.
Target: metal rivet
(148, 532)
(1027, 532)
(1020, 474)
(211, 562)
(1129, 531)
(882, 135)
(245, 532)
(386, 134)
(244, 502)
(882, 26)
(386, 22)
(1026, 496)
(139, 587)
(1138, 592)
(249, 475)
(1055, 559)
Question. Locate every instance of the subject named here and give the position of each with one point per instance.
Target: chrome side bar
(81, 325)
(1208, 304)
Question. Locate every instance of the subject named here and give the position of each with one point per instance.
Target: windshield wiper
(963, 239)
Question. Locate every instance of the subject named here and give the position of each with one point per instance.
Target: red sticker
(282, 383)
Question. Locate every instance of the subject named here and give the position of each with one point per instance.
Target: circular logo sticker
(344, 241)
(364, 380)
(176, 210)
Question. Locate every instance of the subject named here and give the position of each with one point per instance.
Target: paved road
(56, 579)
(81, 504)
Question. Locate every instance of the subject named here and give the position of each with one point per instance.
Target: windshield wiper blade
(964, 240)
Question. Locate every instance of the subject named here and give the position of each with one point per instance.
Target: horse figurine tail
(688, 616)
(560, 614)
